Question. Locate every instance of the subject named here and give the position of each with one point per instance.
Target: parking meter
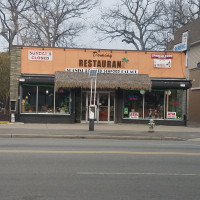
(92, 116)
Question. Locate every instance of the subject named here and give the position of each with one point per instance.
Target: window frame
(37, 92)
(164, 105)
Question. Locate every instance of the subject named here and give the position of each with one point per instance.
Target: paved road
(54, 169)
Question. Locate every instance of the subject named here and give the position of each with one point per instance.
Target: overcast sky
(89, 39)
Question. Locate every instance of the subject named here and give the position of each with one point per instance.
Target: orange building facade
(53, 85)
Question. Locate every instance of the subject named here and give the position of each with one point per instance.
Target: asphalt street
(57, 169)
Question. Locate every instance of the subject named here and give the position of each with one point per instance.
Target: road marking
(99, 152)
(156, 174)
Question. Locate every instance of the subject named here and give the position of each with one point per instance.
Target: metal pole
(91, 93)
(91, 119)
(95, 85)
(143, 106)
(9, 42)
(167, 100)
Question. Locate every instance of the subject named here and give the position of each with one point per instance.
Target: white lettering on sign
(40, 55)
(180, 47)
(161, 56)
(104, 71)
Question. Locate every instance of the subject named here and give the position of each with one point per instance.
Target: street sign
(180, 47)
(184, 44)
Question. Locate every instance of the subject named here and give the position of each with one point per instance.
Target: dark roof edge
(127, 50)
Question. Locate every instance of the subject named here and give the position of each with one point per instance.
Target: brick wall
(15, 72)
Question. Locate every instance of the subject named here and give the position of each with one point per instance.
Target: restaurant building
(52, 85)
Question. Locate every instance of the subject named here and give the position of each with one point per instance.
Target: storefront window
(45, 99)
(28, 103)
(154, 104)
(83, 106)
(133, 104)
(41, 99)
(63, 101)
(174, 104)
(112, 106)
(158, 104)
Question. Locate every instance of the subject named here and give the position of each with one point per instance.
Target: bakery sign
(162, 61)
(40, 55)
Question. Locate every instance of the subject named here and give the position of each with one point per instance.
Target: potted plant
(63, 109)
(27, 106)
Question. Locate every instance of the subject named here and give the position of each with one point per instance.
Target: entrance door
(102, 106)
(105, 106)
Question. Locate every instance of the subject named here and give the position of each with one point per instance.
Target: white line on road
(124, 173)
(99, 152)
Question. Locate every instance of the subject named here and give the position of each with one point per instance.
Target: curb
(4, 122)
(90, 137)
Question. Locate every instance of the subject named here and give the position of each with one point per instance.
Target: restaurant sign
(104, 71)
(162, 60)
(40, 55)
(161, 56)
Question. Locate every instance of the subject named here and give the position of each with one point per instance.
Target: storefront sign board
(162, 63)
(34, 61)
(184, 44)
(171, 115)
(40, 55)
(134, 115)
(161, 56)
(104, 71)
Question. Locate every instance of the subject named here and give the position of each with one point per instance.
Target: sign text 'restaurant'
(100, 63)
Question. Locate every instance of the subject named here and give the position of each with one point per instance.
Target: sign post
(92, 107)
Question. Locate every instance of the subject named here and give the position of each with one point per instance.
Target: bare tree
(194, 7)
(181, 12)
(10, 18)
(5, 80)
(134, 21)
(55, 22)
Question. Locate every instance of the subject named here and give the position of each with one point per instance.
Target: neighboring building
(193, 66)
(52, 85)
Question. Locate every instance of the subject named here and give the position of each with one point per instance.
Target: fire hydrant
(151, 125)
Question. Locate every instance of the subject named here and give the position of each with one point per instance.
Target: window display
(41, 99)
(157, 104)
(45, 99)
(62, 101)
(154, 104)
(29, 99)
(174, 107)
(133, 104)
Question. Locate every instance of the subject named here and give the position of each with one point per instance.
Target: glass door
(105, 106)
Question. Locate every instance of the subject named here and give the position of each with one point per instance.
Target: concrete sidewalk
(102, 131)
